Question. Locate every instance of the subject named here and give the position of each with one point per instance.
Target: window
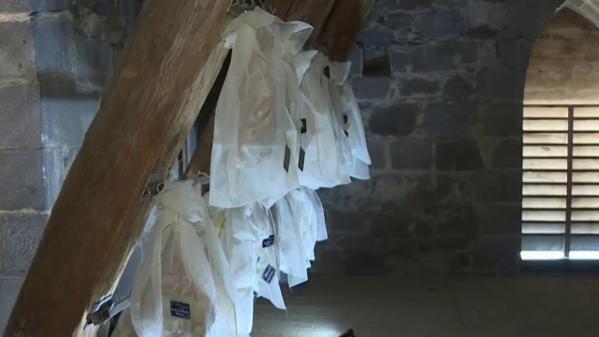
(560, 202)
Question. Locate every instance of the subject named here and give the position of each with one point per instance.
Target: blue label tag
(269, 241)
(180, 309)
(269, 274)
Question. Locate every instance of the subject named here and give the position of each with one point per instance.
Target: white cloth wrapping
(300, 224)
(248, 242)
(184, 284)
(327, 158)
(255, 148)
(348, 113)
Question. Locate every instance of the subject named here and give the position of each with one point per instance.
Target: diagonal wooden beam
(344, 24)
(168, 68)
(314, 12)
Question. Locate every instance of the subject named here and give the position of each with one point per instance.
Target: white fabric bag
(308, 219)
(183, 286)
(327, 158)
(291, 251)
(255, 148)
(248, 242)
(348, 112)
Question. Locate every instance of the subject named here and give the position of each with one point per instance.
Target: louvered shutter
(560, 193)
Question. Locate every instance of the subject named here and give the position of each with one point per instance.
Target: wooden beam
(314, 12)
(168, 68)
(344, 24)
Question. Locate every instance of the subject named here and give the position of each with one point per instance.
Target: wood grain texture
(168, 68)
(314, 12)
(282, 7)
(342, 28)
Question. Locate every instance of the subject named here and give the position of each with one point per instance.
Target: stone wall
(21, 184)
(441, 85)
(56, 57)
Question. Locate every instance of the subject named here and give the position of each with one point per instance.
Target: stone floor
(524, 306)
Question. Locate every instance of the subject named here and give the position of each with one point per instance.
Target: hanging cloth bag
(182, 287)
(255, 148)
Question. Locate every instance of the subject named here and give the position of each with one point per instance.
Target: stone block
(502, 119)
(371, 88)
(457, 87)
(392, 225)
(438, 56)
(456, 219)
(17, 58)
(508, 154)
(9, 290)
(495, 219)
(53, 36)
(376, 64)
(402, 24)
(20, 116)
(375, 38)
(22, 183)
(441, 25)
(412, 154)
(419, 87)
(400, 60)
(514, 51)
(499, 254)
(66, 115)
(497, 186)
(92, 62)
(14, 6)
(364, 262)
(347, 221)
(49, 5)
(397, 120)
(20, 235)
(458, 155)
(500, 83)
(414, 4)
(356, 57)
(449, 119)
(378, 152)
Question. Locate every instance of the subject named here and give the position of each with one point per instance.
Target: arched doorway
(560, 217)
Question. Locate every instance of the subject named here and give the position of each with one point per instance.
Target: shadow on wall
(77, 46)
(440, 84)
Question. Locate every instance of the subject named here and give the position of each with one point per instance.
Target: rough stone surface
(9, 289)
(53, 35)
(458, 155)
(20, 117)
(20, 235)
(399, 120)
(452, 119)
(66, 115)
(412, 154)
(371, 88)
(49, 5)
(17, 52)
(26, 192)
(14, 6)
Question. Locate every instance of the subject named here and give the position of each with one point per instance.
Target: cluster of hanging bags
(286, 124)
